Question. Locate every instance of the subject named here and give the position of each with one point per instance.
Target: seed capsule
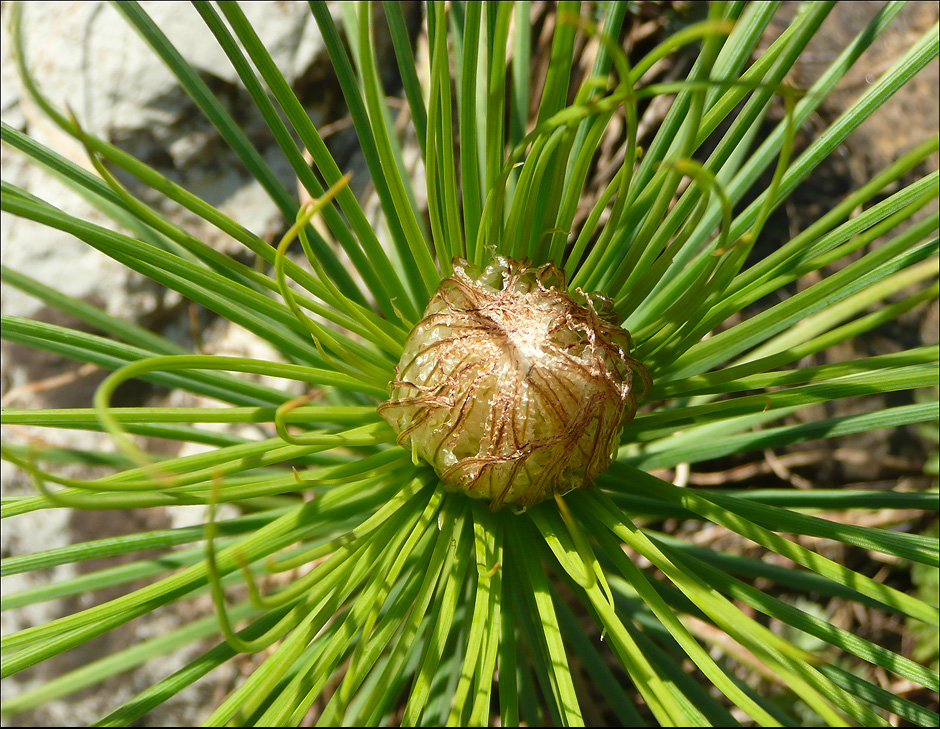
(511, 386)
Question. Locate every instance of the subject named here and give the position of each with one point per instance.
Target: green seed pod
(511, 386)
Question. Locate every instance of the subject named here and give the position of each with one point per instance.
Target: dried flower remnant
(511, 386)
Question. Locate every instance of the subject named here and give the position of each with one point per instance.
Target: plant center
(511, 386)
